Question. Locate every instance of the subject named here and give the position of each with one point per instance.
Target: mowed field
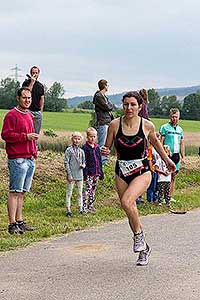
(62, 122)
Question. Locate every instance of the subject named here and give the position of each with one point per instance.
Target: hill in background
(116, 98)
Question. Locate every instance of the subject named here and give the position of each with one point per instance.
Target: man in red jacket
(18, 133)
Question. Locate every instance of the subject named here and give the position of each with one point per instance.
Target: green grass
(2, 114)
(69, 121)
(45, 208)
(191, 150)
(61, 121)
(187, 125)
(45, 205)
(66, 121)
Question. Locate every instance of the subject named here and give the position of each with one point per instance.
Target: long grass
(69, 121)
(45, 205)
(60, 144)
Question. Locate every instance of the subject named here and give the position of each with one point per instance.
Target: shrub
(191, 150)
(58, 144)
(50, 132)
(81, 110)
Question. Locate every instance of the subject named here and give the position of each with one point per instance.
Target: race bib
(129, 167)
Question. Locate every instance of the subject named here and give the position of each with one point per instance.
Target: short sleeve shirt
(173, 136)
(36, 93)
(162, 166)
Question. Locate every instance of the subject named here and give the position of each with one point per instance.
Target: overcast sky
(131, 43)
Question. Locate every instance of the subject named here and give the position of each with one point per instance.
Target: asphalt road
(99, 264)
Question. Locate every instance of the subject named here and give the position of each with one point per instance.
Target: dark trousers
(163, 191)
(152, 192)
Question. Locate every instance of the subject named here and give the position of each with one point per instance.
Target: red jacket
(14, 132)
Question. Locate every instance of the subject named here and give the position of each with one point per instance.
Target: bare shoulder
(115, 122)
(148, 126)
(113, 127)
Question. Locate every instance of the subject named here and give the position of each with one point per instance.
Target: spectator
(172, 135)
(144, 109)
(144, 114)
(152, 193)
(93, 169)
(164, 179)
(74, 164)
(37, 93)
(18, 133)
(103, 110)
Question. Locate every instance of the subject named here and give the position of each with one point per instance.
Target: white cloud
(132, 43)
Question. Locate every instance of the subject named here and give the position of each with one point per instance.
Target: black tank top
(130, 147)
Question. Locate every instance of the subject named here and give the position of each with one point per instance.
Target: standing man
(37, 93)
(103, 110)
(172, 135)
(18, 133)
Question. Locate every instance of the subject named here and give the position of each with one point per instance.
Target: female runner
(130, 135)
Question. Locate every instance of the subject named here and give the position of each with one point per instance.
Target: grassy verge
(63, 140)
(45, 206)
(69, 121)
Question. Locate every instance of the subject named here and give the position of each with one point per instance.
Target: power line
(16, 72)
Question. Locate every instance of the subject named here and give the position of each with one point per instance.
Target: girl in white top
(164, 178)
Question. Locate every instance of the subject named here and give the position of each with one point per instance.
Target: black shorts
(129, 178)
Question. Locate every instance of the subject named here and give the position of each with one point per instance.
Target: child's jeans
(69, 190)
(152, 193)
(90, 188)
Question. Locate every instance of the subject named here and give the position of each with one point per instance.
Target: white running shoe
(143, 258)
(139, 242)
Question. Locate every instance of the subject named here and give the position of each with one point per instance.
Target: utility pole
(16, 74)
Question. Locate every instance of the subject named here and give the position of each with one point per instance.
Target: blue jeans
(102, 134)
(152, 193)
(21, 174)
(37, 120)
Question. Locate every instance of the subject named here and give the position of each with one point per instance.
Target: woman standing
(130, 135)
(144, 109)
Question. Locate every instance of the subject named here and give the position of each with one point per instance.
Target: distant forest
(181, 93)
(160, 102)
(187, 99)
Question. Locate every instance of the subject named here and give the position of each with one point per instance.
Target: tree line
(54, 100)
(54, 96)
(159, 107)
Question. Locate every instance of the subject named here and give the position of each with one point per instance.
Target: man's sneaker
(160, 204)
(69, 214)
(143, 257)
(14, 229)
(24, 226)
(139, 242)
